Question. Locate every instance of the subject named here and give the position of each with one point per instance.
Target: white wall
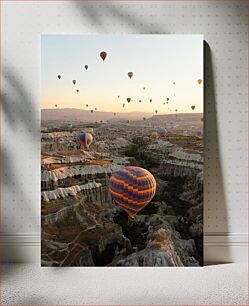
(224, 25)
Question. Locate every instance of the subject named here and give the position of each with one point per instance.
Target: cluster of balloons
(103, 56)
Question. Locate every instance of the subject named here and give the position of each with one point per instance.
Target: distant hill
(74, 114)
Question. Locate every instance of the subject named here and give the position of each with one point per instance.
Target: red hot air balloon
(130, 74)
(132, 188)
(103, 55)
(74, 82)
(85, 139)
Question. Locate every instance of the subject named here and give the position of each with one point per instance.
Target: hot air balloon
(103, 55)
(91, 110)
(56, 105)
(199, 81)
(123, 105)
(74, 82)
(86, 67)
(193, 107)
(95, 108)
(176, 110)
(167, 102)
(174, 83)
(140, 101)
(118, 96)
(154, 135)
(163, 103)
(85, 139)
(86, 105)
(161, 131)
(77, 90)
(59, 77)
(130, 74)
(156, 111)
(143, 88)
(167, 99)
(132, 188)
(128, 100)
(150, 100)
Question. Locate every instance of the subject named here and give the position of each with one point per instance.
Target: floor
(29, 284)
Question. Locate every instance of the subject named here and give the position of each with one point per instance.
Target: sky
(157, 62)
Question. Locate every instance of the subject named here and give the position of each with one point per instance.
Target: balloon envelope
(193, 107)
(132, 188)
(103, 55)
(74, 82)
(199, 81)
(130, 74)
(86, 67)
(128, 100)
(59, 76)
(85, 139)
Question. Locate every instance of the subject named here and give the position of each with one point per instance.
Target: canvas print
(122, 150)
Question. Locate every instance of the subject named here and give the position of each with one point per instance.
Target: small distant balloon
(123, 105)
(128, 100)
(193, 107)
(74, 82)
(174, 83)
(91, 110)
(86, 105)
(130, 74)
(176, 110)
(103, 55)
(56, 105)
(95, 108)
(167, 99)
(156, 111)
(163, 103)
(59, 77)
(140, 101)
(118, 96)
(77, 90)
(199, 81)
(143, 88)
(150, 100)
(86, 67)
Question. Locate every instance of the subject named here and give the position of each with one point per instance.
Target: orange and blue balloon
(132, 188)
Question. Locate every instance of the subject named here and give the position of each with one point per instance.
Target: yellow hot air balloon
(199, 81)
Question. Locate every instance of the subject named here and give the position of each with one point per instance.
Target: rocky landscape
(82, 226)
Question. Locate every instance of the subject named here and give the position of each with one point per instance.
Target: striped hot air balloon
(132, 188)
(86, 139)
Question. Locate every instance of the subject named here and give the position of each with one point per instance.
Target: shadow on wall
(214, 194)
(22, 121)
(124, 17)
